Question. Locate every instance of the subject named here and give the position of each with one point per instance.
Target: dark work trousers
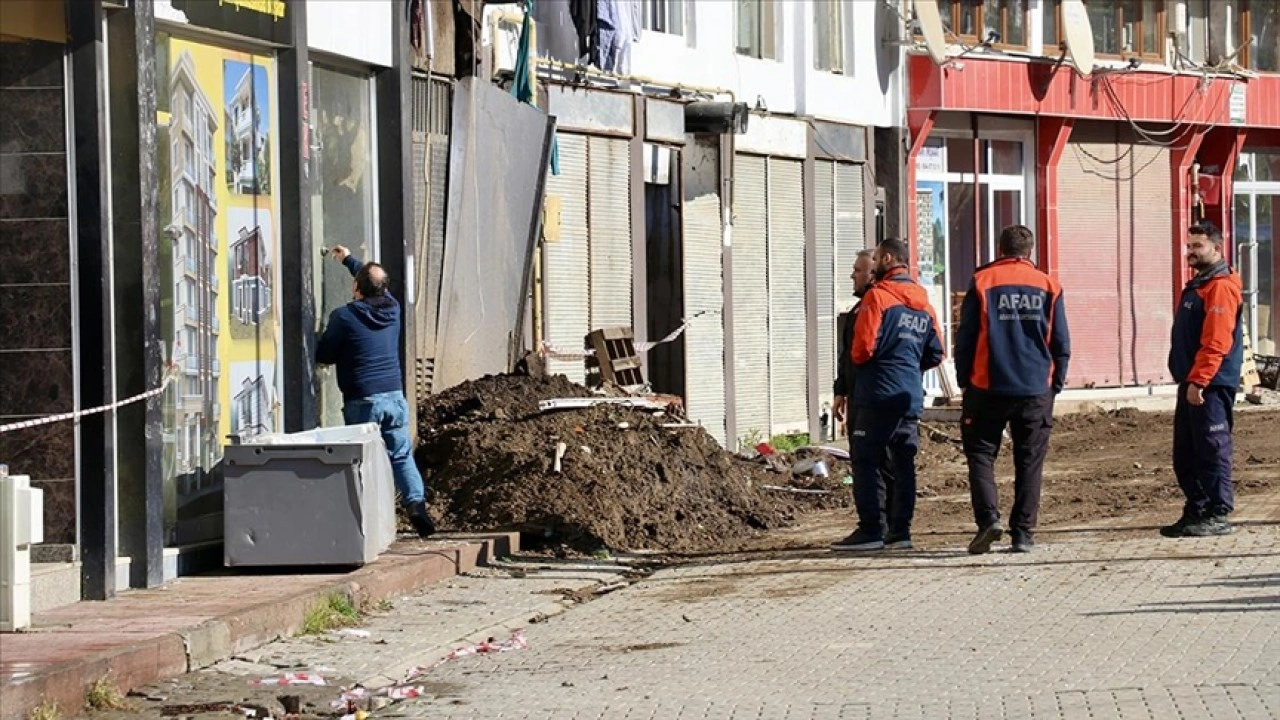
(1202, 451)
(874, 433)
(884, 483)
(1030, 420)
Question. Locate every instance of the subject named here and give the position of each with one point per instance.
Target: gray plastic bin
(321, 497)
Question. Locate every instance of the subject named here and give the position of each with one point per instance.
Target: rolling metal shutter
(1146, 259)
(788, 322)
(841, 233)
(609, 217)
(704, 296)
(750, 297)
(1088, 232)
(432, 110)
(566, 298)
(1116, 251)
(828, 273)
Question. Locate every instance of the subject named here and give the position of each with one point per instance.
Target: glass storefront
(967, 191)
(219, 268)
(342, 206)
(1257, 208)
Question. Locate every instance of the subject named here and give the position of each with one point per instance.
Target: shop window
(664, 16)
(829, 36)
(1003, 23)
(757, 29)
(343, 211)
(1259, 25)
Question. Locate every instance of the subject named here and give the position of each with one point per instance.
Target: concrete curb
(175, 653)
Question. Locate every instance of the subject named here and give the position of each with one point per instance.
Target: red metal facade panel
(1089, 214)
(1007, 86)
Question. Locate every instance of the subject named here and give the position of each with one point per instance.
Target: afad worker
(1205, 358)
(1012, 349)
(864, 274)
(895, 339)
(363, 340)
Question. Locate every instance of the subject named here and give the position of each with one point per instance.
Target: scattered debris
(354, 633)
(291, 678)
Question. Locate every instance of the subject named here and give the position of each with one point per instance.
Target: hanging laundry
(584, 14)
(620, 24)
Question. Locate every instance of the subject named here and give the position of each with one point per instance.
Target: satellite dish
(1077, 33)
(930, 20)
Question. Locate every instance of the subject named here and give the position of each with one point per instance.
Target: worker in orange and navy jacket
(1012, 349)
(1206, 356)
(895, 339)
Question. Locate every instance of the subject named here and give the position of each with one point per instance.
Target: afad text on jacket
(1013, 338)
(895, 339)
(1207, 345)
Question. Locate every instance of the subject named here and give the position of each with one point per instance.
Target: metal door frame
(1249, 248)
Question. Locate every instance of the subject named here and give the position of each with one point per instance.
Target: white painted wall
(705, 57)
(356, 29)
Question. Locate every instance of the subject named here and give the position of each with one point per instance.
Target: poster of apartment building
(251, 267)
(247, 117)
(253, 399)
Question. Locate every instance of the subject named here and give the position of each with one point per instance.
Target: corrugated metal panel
(704, 290)
(850, 230)
(425, 328)
(788, 324)
(1088, 205)
(609, 218)
(565, 272)
(438, 192)
(750, 297)
(1147, 262)
(828, 273)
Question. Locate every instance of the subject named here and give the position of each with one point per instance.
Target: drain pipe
(22, 516)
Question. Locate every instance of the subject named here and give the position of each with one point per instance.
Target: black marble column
(298, 252)
(395, 185)
(93, 281)
(35, 278)
(135, 223)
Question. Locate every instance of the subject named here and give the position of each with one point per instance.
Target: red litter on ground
(291, 679)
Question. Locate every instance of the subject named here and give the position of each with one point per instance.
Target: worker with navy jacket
(1205, 358)
(1012, 348)
(895, 339)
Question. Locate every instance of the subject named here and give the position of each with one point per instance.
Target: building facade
(748, 237)
(193, 160)
(1110, 169)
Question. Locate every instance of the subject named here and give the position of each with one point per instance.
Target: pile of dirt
(626, 482)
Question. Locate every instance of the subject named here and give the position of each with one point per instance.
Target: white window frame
(1025, 183)
(840, 65)
(770, 28)
(660, 15)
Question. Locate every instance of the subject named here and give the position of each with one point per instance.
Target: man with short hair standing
(895, 339)
(864, 273)
(363, 340)
(1206, 356)
(1012, 349)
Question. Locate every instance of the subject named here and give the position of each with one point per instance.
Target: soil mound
(625, 481)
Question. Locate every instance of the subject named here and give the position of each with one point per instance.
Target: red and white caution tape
(77, 414)
(406, 690)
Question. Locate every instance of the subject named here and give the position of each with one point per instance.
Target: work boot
(1022, 541)
(860, 540)
(1179, 528)
(421, 520)
(1209, 527)
(981, 543)
(898, 541)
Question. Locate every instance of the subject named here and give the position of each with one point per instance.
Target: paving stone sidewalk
(1085, 627)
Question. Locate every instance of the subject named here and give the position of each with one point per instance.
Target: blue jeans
(390, 411)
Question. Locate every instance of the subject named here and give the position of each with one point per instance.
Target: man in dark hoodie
(863, 275)
(363, 340)
(895, 339)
